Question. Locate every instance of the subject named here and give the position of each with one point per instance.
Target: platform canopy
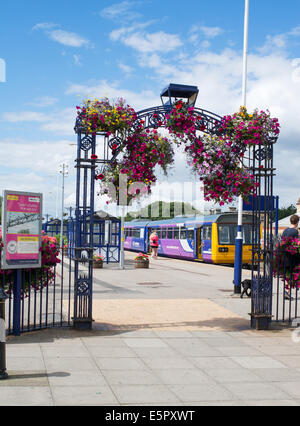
(179, 91)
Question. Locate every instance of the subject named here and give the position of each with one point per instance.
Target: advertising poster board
(21, 230)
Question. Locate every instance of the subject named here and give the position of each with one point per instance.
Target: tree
(286, 211)
(160, 210)
(1, 209)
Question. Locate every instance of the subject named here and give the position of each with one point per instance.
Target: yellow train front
(208, 239)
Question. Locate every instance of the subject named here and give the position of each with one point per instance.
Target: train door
(199, 240)
(147, 241)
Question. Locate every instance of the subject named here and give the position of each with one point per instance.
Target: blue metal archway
(259, 160)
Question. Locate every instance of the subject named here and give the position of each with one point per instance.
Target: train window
(224, 234)
(207, 232)
(170, 233)
(190, 234)
(137, 233)
(176, 234)
(164, 233)
(183, 233)
(158, 231)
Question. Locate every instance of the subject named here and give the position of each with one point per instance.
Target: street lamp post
(238, 260)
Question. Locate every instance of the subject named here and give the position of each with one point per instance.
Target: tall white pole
(122, 258)
(62, 207)
(245, 55)
(64, 173)
(238, 261)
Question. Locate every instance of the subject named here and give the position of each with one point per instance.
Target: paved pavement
(196, 349)
(152, 367)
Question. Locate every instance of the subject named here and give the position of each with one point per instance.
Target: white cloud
(125, 68)
(138, 100)
(25, 116)
(44, 101)
(146, 42)
(63, 37)
(77, 60)
(121, 11)
(44, 26)
(61, 122)
(211, 32)
(68, 38)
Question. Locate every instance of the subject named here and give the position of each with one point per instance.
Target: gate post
(261, 158)
(84, 230)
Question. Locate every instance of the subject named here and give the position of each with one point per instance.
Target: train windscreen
(227, 234)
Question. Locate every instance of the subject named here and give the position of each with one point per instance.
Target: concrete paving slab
(278, 374)
(239, 350)
(202, 393)
(105, 352)
(291, 388)
(129, 377)
(83, 395)
(159, 363)
(276, 403)
(183, 376)
(25, 364)
(233, 375)
(214, 362)
(154, 352)
(77, 378)
(288, 361)
(145, 343)
(132, 364)
(69, 364)
(258, 362)
(257, 391)
(140, 394)
(25, 396)
(32, 379)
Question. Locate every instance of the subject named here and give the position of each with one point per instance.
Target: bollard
(3, 373)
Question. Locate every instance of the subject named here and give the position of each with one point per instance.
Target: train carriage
(207, 238)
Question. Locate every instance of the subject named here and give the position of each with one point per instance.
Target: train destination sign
(21, 230)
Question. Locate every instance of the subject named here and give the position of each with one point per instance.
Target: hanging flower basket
(180, 121)
(217, 165)
(141, 261)
(144, 150)
(243, 130)
(101, 116)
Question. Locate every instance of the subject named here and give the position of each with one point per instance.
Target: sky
(55, 54)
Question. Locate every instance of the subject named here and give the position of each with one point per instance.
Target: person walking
(154, 243)
(292, 231)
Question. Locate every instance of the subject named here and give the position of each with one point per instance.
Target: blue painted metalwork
(260, 162)
(84, 225)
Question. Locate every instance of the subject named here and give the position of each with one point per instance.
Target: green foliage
(64, 239)
(160, 210)
(287, 211)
